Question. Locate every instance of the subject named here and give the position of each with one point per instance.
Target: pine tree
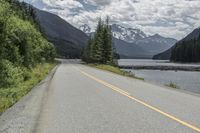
(87, 51)
(198, 48)
(100, 48)
(107, 44)
(97, 45)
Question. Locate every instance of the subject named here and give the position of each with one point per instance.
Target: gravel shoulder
(23, 116)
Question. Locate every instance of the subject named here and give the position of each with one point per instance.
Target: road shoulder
(23, 116)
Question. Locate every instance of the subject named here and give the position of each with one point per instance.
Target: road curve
(82, 99)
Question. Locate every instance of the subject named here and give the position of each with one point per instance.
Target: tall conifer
(100, 48)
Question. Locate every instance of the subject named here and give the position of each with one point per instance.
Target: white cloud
(171, 18)
(98, 2)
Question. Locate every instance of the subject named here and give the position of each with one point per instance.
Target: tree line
(22, 45)
(186, 51)
(99, 48)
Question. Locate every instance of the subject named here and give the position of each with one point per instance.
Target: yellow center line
(141, 102)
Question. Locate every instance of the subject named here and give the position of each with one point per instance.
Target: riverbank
(157, 65)
(162, 67)
(114, 69)
(183, 80)
(185, 76)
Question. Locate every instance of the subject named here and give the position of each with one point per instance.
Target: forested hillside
(68, 40)
(186, 51)
(23, 52)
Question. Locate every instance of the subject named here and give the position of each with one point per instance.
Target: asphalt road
(82, 99)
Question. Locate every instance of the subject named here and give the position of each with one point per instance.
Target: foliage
(11, 94)
(99, 48)
(22, 46)
(172, 85)
(10, 75)
(186, 51)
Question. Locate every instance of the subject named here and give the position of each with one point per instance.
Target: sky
(169, 18)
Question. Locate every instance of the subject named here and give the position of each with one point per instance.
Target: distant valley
(134, 43)
(129, 43)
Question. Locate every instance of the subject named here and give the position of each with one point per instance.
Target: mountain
(193, 35)
(67, 39)
(164, 55)
(156, 43)
(140, 44)
(130, 50)
(85, 28)
(153, 44)
(187, 50)
(127, 34)
(167, 54)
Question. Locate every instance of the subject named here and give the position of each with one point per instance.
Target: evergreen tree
(22, 45)
(107, 44)
(87, 51)
(100, 48)
(198, 47)
(186, 51)
(97, 46)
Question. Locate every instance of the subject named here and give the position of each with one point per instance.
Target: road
(82, 99)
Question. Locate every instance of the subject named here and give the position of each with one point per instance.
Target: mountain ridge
(138, 39)
(68, 40)
(167, 54)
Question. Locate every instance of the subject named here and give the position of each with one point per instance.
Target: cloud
(98, 2)
(171, 18)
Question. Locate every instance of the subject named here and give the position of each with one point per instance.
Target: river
(186, 80)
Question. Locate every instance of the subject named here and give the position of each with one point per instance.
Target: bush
(10, 75)
(10, 95)
(173, 85)
(24, 52)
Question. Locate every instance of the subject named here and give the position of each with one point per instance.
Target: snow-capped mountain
(85, 28)
(127, 34)
(152, 44)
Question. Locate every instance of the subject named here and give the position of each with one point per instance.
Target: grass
(172, 85)
(9, 96)
(115, 70)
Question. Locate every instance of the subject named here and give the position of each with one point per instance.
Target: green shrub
(10, 95)
(9, 74)
(24, 52)
(173, 85)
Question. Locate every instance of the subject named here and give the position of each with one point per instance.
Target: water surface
(185, 80)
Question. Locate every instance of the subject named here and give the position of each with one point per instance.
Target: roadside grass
(115, 69)
(173, 85)
(9, 96)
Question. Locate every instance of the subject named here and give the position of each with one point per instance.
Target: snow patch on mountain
(85, 28)
(127, 34)
(154, 44)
